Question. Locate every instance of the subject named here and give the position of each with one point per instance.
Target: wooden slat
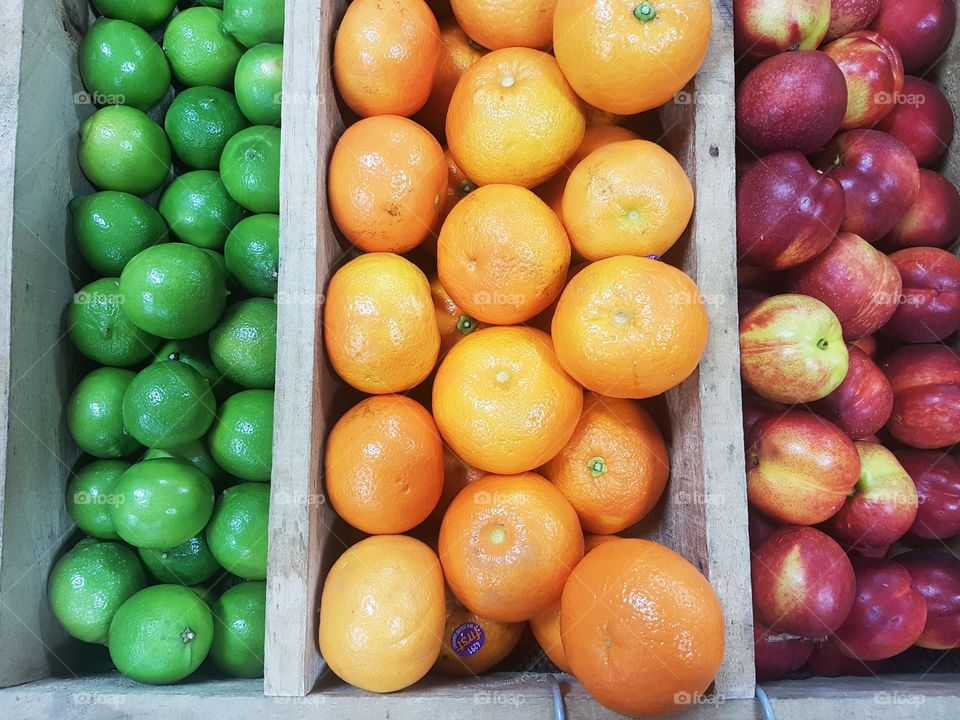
(36, 284)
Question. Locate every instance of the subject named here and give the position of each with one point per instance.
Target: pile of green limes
(176, 418)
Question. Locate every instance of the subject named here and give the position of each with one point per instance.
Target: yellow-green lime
(120, 64)
(161, 503)
(199, 49)
(250, 168)
(121, 148)
(173, 290)
(237, 533)
(90, 495)
(241, 439)
(90, 583)
(254, 21)
(100, 329)
(148, 14)
(239, 624)
(186, 564)
(243, 345)
(161, 634)
(252, 252)
(198, 209)
(258, 83)
(95, 414)
(199, 122)
(197, 454)
(168, 404)
(111, 227)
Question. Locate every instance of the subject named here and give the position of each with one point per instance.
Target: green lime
(207, 591)
(123, 149)
(161, 634)
(173, 290)
(111, 227)
(199, 122)
(161, 503)
(148, 14)
(237, 533)
(258, 83)
(100, 329)
(250, 168)
(89, 584)
(90, 495)
(239, 625)
(184, 4)
(243, 345)
(199, 50)
(197, 454)
(195, 352)
(241, 439)
(198, 209)
(252, 252)
(95, 414)
(121, 65)
(254, 21)
(187, 564)
(168, 404)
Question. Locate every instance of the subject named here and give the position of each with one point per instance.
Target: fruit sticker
(467, 639)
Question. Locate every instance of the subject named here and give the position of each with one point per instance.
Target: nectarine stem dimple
(597, 466)
(644, 12)
(466, 324)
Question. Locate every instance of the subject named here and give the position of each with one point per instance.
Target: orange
(456, 476)
(500, 24)
(544, 319)
(627, 198)
(507, 545)
(382, 613)
(387, 184)
(641, 627)
(551, 192)
(502, 401)
(384, 55)
(375, 342)
(502, 254)
(457, 53)
(615, 466)
(630, 327)
(546, 625)
(626, 57)
(452, 322)
(384, 465)
(472, 644)
(513, 118)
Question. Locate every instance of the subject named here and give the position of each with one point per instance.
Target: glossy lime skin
(243, 345)
(254, 21)
(100, 329)
(252, 252)
(161, 503)
(95, 414)
(186, 564)
(195, 352)
(121, 65)
(90, 583)
(197, 454)
(167, 405)
(148, 14)
(199, 49)
(199, 122)
(259, 82)
(250, 168)
(161, 634)
(123, 149)
(239, 625)
(199, 210)
(241, 439)
(111, 227)
(90, 495)
(237, 533)
(173, 290)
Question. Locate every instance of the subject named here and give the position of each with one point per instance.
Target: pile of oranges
(510, 230)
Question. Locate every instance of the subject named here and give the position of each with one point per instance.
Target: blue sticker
(467, 639)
